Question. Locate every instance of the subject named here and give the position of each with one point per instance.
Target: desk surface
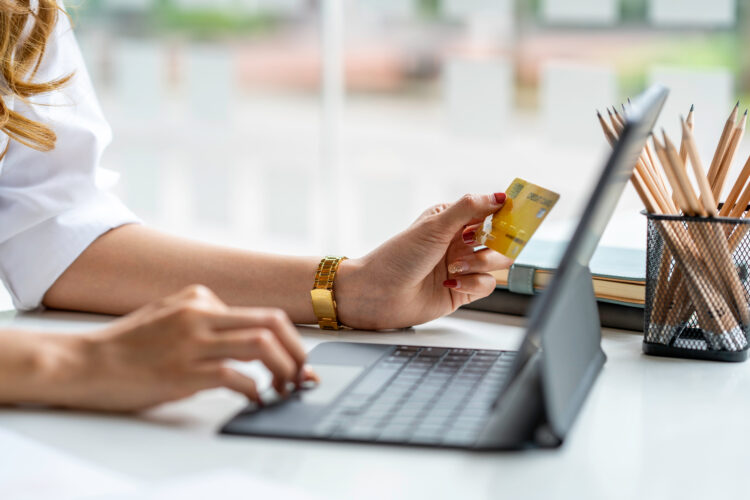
(650, 428)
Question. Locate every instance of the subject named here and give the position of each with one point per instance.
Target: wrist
(51, 369)
(352, 307)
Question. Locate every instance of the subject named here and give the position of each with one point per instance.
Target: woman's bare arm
(426, 271)
(134, 265)
(167, 350)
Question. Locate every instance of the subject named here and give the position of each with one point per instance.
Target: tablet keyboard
(427, 395)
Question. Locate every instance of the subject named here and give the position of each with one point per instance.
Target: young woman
(65, 244)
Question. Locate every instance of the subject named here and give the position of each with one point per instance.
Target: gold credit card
(526, 206)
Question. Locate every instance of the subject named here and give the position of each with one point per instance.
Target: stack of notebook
(619, 279)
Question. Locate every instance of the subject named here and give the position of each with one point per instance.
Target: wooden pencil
(704, 279)
(715, 258)
(721, 147)
(673, 162)
(651, 176)
(717, 185)
(741, 206)
(683, 146)
(714, 239)
(734, 193)
(691, 149)
(659, 193)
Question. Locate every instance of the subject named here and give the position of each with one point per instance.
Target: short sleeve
(51, 209)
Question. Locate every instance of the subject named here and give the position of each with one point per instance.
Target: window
(223, 130)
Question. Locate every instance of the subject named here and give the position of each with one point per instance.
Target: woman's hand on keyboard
(172, 349)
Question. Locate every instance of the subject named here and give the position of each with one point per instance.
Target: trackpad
(333, 380)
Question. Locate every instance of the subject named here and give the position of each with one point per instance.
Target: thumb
(470, 209)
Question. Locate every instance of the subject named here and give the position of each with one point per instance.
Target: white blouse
(50, 207)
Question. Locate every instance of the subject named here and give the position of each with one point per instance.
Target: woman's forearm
(133, 265)
(40, 368)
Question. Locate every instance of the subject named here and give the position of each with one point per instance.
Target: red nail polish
(469, 237)
(500, 198)
(450, 283)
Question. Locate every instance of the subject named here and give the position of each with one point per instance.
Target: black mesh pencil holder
(697, 288)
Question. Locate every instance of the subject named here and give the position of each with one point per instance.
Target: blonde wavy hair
(22, 48)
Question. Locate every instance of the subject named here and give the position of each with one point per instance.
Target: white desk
(651, 428)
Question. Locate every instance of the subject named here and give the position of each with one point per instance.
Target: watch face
(323, 304)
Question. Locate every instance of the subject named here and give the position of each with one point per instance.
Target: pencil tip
(629, 100)
(692, 107)
(598, 113)
(738, 104)
(609, 112)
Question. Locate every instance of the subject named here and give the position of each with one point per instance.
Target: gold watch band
(323, 300)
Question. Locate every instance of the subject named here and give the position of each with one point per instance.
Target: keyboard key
(432, 352)
(414, 370)
(436, 378)
(394, 363)
(452, 362)
(446, 370)
(402, 420)
(456, 358)
(403, 353)
(432, 421)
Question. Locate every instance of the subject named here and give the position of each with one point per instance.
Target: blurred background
(312, 126)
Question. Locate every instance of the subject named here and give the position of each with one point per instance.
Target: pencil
(659, 194)
(734, 194)
(711, 243)
(691, 149)
(741, 207)
(726, 134)
(703, 279)
(683, 147)
(673, 161)
(726, 162)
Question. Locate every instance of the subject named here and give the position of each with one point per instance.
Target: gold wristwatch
(323, 301)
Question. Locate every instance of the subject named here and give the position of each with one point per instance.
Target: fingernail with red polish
(451, 284)
(500, 198)
(469, 237)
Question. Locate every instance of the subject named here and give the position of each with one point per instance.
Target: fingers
(470, 209)
(212, 375)
(273, 320)
(478, 285)
(223, 376)
(469, 234)
(309, 375)
(197, 297)
(481, 261)
(263, 345)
